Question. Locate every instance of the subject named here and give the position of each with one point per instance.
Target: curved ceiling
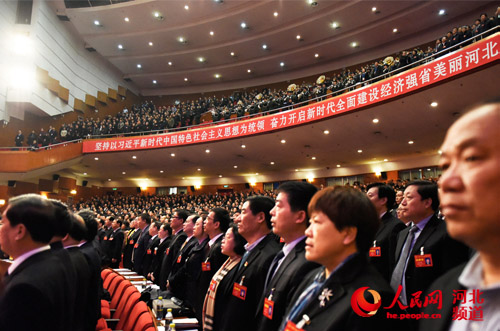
(297, 33)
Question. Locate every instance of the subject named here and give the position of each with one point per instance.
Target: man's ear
(350, 234)
(21, 231)
(301, 217)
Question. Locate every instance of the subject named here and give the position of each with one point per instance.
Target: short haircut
(348, 207)
(182, 213)
(146, 218)
(298, 195)
(167, 228)
(239, 241)
(156, 224)
(427, 190)
(89, 217)
(384, 191)
(77, 230)
(119, 222)
(261, 203)
(63, 218)
(35, 213)
(222, 216)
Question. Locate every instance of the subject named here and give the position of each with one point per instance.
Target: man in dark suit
(132, 236)
(37, 277)
(142, 242)
(89, 250)
(289, 219)
(115, 241)
(172, 251)
(382, 252)
(151, 247)
(424, 251)
(71, 243)
(469, 189)
(165, 236)
(254, 224)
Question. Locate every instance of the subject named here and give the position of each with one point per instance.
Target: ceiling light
(96, 158)
(338, 165)
(172, 154)
(326, 132)
(134, 157)
(275, 14)
(150, 43)
(249, 71)
(169, 63)
(264, 46)
(235, 167)
(154, 81)
(207, 151)
(220, 176)
(243, 146)
(375, 120)
(314, 157)
(85, 174)
(410, 142)
(271, 163)
(201, 59)
(243, 25)
(156, 14)
(186, 7)
(198, 169)
(313, 3)
(109, 179)
(385, 160)
(139, 66)
(440, 152)
(316, 55)
(354, 44)
(283, 141)
(161, 171)
(256, 174)
(120, 46)
(232, 54)
(360, 151)
(181, 40)
(395, 30)
(185, 79)
(123, 172)
(211, 33)
(374, 9)
(434, 104)
(217, 76)
(335, 25)
(442, 12)
(298, 37)
(282, 64)
(296, 169)
(97, 23)
(126, 19)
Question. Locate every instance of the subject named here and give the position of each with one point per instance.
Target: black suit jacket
(140, 250)
(170, 255)
(337, 312)
(115, 241)
(386, 238)
(132, 237)
(176, 287)
(446, 254)
(447, 283)
(93, 309)
(158, 255)
(37, 295)
(239, 312)
(82, 289)
(283, 285)
(150, 251)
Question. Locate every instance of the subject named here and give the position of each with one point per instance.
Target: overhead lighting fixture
(158, 15)
(139, 66)
(442, 12)
(96, 158)
(161, 171)
(182, 40)
(264, 46)
(120, 46)
(275, 14)
(150, 43)
(235, 167)
(299, 37)
(201, 59)
(375, 10)
(243, 25)
(220, 176)
(123, 172)
(154, 81)
(440, 152)
(211, 33)
(395, 30)
(338, 165)
(97, 23)
(232, 54)
(360, 151)
(169, 63)
(185, 79)
(354, 44)
(316, 55)
(207, 151)
(85, 174)
(375, 120)
(134, 157)
(335, 25)
(271, 163)
(249, 71)
(217, 76)
(296, 169)
(283, 141)
(313, 3)
(385, 160)
(126, 19)
(109, 179)
(282, 64)
(186, 7)
(243, 146)
(172, 154)
(314, 157)
(434, 104)
(411, 142)
(326, 132)
(198, 169)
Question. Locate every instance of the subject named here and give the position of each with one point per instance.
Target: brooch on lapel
(324, 297)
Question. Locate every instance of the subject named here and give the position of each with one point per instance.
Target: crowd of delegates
(301, 258)
(148, 117)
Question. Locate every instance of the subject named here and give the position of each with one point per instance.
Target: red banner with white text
(450, 65)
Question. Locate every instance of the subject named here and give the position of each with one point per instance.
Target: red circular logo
(361, 306)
